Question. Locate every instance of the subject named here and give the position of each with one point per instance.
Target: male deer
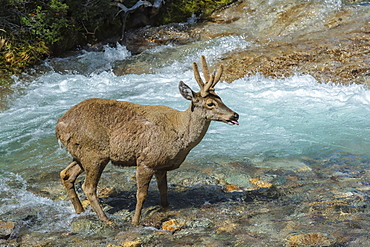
(156, 139)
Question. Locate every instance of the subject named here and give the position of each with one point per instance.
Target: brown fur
(156, 139)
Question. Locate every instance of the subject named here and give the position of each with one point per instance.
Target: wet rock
(309, 239)
(233, 188)
(260, 183)
(335, 208)
(201, 223)
(194, 177)
(124, 215)
(6, 229)
(147, 37)
(90, 226)
(240, 180)
(228, 227)
(173, 225)
(154, 216)
(262, 194)
(107, 192)
(295, 165)
(134, 243)
(360, 241)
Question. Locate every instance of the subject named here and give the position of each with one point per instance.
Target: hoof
(135, 223)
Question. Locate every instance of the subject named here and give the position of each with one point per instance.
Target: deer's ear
(186, 91)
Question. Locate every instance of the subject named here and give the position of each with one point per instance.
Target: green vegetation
(30, 30)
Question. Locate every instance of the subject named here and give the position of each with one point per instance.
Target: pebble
(173, 225)
(260, 183)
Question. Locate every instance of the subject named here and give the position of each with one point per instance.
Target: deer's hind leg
(69, 176)
(93, 173)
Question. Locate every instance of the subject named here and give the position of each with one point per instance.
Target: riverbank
(338, 53)
(330, 43)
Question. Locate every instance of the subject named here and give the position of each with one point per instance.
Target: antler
(211, 80)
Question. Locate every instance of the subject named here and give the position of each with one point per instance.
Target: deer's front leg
(161, 177)
(143, 177)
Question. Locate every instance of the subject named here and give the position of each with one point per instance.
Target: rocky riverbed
(279, 202)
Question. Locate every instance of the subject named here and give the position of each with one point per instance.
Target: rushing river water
(280, 119)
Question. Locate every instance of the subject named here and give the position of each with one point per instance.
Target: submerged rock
(309, 239)
(201, 223)
(6, 229)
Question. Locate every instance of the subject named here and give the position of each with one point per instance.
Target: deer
(155, 139)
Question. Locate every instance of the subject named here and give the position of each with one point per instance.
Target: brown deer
(155, 139)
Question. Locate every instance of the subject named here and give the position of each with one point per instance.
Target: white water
(287, 117)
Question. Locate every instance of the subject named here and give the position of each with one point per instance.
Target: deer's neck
(192, 126)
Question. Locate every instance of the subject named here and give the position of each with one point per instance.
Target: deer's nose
(234, 119)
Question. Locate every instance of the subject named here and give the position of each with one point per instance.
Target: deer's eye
(211, 104)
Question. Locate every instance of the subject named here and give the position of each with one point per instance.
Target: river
(286, 124)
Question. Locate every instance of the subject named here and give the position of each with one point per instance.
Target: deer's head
(206, 101)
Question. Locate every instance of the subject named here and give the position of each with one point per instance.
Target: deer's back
(121, 132)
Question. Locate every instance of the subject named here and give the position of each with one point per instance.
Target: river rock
(260, 183)
(6, 229)
(173, 225)
(241, 180)
(309, 239)
(134, 243)
(201, 223)
(147, 37)
(233, 188)
(90, 226)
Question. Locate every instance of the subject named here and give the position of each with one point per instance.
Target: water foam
(296, 115)
(17, 204)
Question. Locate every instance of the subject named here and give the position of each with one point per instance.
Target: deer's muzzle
(234, 119)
